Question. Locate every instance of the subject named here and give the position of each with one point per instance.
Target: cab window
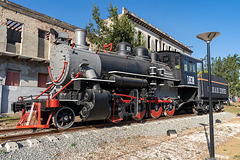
(190, 66)
(165, 59)
(194, 68)
(177, 63)
(185, 63)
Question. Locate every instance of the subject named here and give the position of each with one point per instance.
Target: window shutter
(42, 80)
(13, 78)
(16, 77)
(8, 79)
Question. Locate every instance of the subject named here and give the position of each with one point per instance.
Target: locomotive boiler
(98, 85)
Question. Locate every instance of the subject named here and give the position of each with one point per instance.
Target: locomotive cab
(189, 71)
(184, 67)
(188, 88)
(172, 59)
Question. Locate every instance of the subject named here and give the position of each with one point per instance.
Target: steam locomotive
(116, 86)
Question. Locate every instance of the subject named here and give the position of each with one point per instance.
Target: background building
(156, 40)
(25, 45)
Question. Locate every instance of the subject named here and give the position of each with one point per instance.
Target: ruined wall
(28, 70)
(3, 38)
(3, 33)
(28, 81)
(29, 46)
(44, 49)
(3, 69)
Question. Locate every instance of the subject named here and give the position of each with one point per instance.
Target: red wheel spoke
(156, 112)
(140, 115)
(169, 110)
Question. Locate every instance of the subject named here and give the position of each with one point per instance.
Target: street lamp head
(208, 36)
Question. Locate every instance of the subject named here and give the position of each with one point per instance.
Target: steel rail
(3, 131)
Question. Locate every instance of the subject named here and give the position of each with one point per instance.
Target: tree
(228, 68)
(203, 68)
(113, 30)
(217, 66)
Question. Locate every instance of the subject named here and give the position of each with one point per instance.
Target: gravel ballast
(108, 142)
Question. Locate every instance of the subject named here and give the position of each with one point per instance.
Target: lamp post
(208, 37)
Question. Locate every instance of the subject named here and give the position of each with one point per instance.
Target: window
(163, 46)
(43, 34)
(43, 43)
(14, 36)
(156, 45)
(165, 59)
(169, 48)
(149, 42)
(194, 68)
(139, 37)
(185, 63)
(42, 80)
(12, 78)
(190, 67)
(175, 50)
(177, 63)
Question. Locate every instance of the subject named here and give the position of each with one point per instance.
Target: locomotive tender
(115, 86)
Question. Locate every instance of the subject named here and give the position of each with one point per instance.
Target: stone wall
(3, 38)
(31, 45)
(28, 70)
(29, 32)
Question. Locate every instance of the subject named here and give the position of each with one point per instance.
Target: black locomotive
(115, 86)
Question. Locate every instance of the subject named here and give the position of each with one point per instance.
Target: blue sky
(181, 19)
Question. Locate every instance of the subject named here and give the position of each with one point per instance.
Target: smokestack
(80, 38)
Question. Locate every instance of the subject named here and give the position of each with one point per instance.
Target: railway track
(86, 126)
(4, 131)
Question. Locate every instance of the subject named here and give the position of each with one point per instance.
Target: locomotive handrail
(78, 75)
(142, 75)
(44, 91)
(98, 80)
(50, 75)
(73, 45)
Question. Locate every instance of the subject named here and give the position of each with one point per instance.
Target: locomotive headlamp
(208, 37)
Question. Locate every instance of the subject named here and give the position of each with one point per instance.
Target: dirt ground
(231, 148)
(8, 122)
